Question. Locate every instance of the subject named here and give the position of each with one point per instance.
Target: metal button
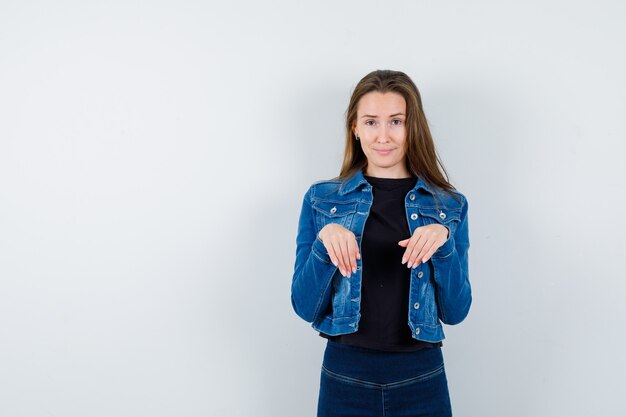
(420, 274)
(333, 210)
(442, 215)
(412, 197)
(417, 331)
(416, 306)
(414, 216)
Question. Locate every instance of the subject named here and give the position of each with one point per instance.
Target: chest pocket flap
(335, 209)
(447, 217)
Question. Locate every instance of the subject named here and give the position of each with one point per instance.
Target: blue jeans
(361, 382)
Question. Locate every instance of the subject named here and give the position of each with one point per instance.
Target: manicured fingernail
(403, 260)
(408, 265)
(354, 269)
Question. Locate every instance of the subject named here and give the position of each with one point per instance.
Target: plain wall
(153, 160)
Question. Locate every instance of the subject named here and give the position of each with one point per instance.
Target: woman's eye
(369, 123)
(396, 122)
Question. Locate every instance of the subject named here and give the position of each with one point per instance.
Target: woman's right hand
(342, 247)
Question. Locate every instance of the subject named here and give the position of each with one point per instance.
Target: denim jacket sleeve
(450, 262)
(313, 269)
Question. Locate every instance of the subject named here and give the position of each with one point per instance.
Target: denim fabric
(440, 290)
(357, 381)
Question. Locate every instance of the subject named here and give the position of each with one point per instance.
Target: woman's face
(380, 126)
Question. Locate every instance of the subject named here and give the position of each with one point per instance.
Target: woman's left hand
(424, 242)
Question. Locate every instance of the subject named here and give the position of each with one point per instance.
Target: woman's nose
(382, 135)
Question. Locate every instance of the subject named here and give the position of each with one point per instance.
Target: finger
(431, 244)
(416, 249)
(428, 244)
(410, 244)
(409, 247)
(436, 244)
(333, 257)
(346, 256)
(352, 250)
(337, 252)
(404, 242)
(331, 252)
(429, 254)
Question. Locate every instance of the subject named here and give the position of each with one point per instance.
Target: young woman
(382, 260)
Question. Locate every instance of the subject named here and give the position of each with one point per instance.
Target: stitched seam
(416, 379)
(382, 395)
(319, 257)
(442, 257)
(324, 289)
(389, 385)
(350, 379)
(440, 307)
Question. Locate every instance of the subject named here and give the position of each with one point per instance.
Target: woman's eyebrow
(374, 116)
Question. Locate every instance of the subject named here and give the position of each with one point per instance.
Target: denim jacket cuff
(446, 249)
(320, 250)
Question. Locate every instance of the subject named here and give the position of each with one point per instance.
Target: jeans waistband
(379, 366)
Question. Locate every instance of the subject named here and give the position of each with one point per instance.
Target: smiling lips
(383, 151)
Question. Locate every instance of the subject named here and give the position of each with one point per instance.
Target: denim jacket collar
(357, 179)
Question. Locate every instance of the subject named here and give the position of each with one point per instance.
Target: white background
(153, 160)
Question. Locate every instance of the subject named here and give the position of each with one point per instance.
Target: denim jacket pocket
(450, 218)
(327, 212)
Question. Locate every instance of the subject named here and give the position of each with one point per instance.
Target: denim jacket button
(416, 306)
(412, 197)
(333, 210)
(414, 216)
(420, 274)
(442, 215)
(417, 331)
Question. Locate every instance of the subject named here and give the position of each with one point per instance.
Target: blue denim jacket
(440, 290)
